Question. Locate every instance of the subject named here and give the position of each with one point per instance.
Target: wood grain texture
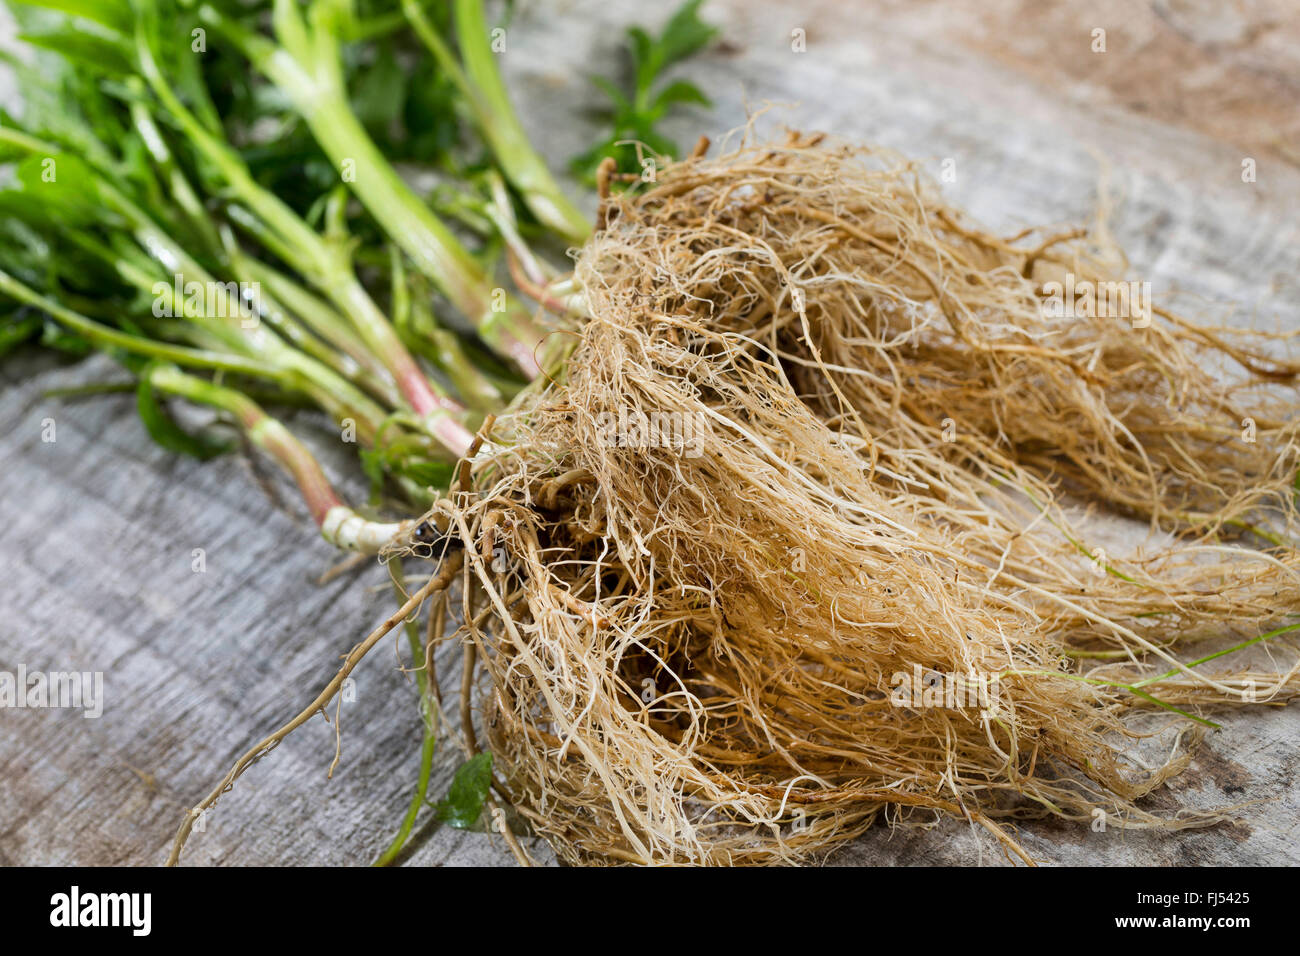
(98, 527)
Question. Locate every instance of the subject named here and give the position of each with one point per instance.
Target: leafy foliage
(407, 106)
(164, 429)
(114, 14)
(635, 111)
(468, 792)
(17, 328)
(379, 464)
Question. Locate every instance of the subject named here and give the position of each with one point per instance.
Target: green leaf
(14, 332)
(685, 34)
(163, 429)
(102, 53)
(644, 58)
(63, 107)
(372, 466)
(681, 91)
(376, 464)
(621, 103)
(429, 115)
(428, 474)
(55, 336)
(114, 14)
(468, 792)
(635, 113)
(64, 186)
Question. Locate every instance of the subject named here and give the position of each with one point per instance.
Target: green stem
(422, 333)
(182, 192)
(428, 748)
(317, 315)
(340, 525)
(108, 337)
(331, 390)
(1131, 688)
(428, 745)
(327, 264)
(281, 301)
(481, 84)
(1209, 657)
(306, 66)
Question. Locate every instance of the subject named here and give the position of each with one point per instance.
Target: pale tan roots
(689, 651)
(703, 666)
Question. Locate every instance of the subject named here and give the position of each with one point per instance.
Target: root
(436, 583)
(894, 317)
(718, 622)
(785, 552)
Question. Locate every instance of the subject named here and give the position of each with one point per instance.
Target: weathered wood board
(99, 526)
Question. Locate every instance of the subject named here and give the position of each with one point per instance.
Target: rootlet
(73, 909)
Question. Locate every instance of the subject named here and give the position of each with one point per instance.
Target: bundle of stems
(148, 192)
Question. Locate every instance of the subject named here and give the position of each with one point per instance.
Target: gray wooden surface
(99, 526)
